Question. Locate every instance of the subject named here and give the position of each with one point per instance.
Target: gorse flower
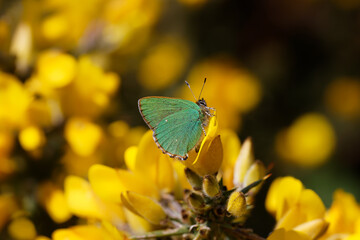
(308, 142)
(343, 217)
(158, 196)
(299, 212)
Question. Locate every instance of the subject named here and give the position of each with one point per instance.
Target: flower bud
(204, 231)
(236, 205)
(196, 201)
(243, 162)
(194, 179)
(210, 186)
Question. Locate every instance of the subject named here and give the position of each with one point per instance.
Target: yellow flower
(14, 101)
(129, 23)
(247, 171)
(295, 209)
(22, 228)
(348, 90)
(209, 158)
(308, 142)
(53, 200)
(90, 90)
(83, 202)
(83, 136)
(343, 216)
(56, 69)
(163, 64)
(230, 89)
(31, 138)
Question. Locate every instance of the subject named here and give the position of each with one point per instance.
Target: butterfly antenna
(202, 88)
(190, 90)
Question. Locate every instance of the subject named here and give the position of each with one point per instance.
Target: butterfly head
(201, 103)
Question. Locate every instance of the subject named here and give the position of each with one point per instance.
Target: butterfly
(177, 124)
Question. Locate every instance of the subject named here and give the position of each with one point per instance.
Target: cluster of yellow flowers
(301, 214)
(148, 195)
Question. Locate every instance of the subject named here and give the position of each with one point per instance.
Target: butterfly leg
(202, 126)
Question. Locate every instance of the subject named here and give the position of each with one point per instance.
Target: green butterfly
(177, 123)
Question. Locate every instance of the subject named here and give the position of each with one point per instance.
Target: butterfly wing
(176, 123)
(155, 109)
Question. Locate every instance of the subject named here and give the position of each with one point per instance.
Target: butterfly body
(177, 124)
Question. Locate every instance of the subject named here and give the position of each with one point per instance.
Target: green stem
(163, 233)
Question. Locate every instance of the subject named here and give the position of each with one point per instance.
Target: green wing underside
(179, 132)
(176, 123)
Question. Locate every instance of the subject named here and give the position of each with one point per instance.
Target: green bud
(210, 186)
(194, 179)
(196, 201)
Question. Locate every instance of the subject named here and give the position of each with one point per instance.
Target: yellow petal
(314, 228)
(22, 229)
(231, 145)
(130, 157)
(82, 232)
(308, 207)
(138, 183)
(353, 237)
(165, 174)
(146, 207)
(243, 162)
(137, 224)
(147, 156)
(254, 173)
(312, 204)
(83, 136)
(209, 158)
(283, 193)
(105, 182)
(343, 213)
(80, 198)
(54, 201)
(83, 202)
(282, 234)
